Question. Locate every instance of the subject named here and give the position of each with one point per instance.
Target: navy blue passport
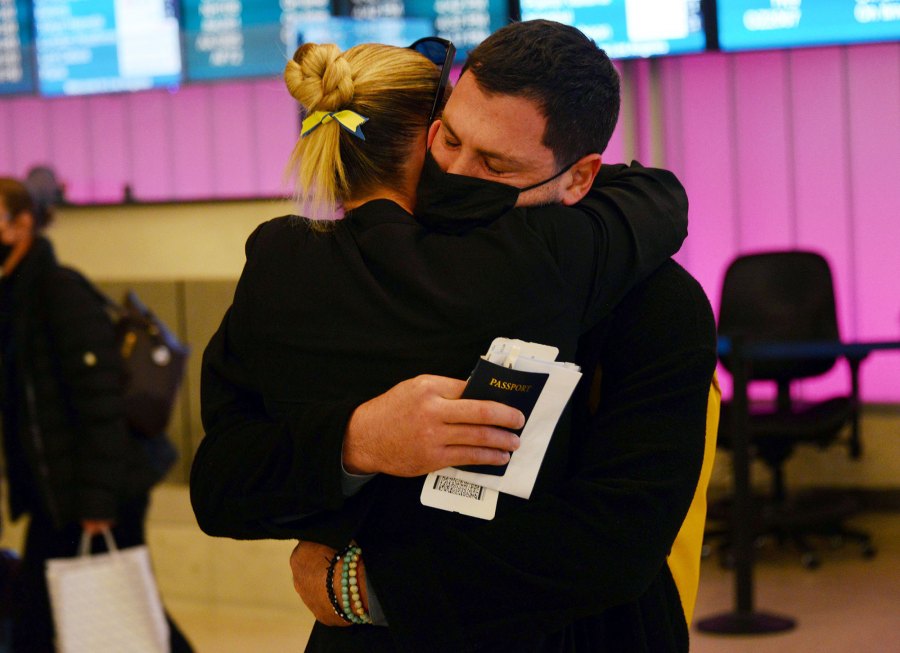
(508, 386)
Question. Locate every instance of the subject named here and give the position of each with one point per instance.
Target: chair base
(746, 623)
(815, 514)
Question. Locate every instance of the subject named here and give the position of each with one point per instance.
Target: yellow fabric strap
(684, 559)
(349, 120)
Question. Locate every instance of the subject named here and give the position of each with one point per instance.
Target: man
(544, 574)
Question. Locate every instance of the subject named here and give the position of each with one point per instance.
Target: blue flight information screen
(16, 48)
(629, 28)
(760, 24)
(242, 38)
(345, 32)
(247, 38)
(105, 46)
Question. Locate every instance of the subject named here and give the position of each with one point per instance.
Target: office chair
(789, 296)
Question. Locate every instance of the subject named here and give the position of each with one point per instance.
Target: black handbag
(154, 361)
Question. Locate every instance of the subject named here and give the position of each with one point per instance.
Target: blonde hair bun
(319, 77)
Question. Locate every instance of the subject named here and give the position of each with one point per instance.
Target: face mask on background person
(5, 251)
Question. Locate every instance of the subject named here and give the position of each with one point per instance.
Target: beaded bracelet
(350, 591)
(329, 586)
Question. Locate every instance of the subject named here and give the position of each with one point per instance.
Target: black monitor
(767, 24)
(105, 46)
(629, 28)
(16, 47)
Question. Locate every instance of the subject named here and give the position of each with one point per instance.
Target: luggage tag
(457, 495)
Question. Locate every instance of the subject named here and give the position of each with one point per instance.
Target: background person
(72, 464)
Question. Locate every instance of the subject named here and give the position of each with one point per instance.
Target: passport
(505, 385)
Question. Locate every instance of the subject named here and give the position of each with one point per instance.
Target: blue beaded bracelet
(350, 592)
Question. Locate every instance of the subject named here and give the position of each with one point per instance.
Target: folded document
(527, 376)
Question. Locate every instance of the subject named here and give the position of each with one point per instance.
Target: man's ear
(580, 178)
(432, 132)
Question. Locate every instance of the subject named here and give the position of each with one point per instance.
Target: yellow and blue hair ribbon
(347, 119)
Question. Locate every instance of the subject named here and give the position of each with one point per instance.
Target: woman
(328, 315)
(72, 464)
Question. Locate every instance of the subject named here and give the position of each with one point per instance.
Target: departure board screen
(106, 46)
(242, 38)
(345, 32)
(761, 24)
(16, 48)
(247, 38)
(629, 28)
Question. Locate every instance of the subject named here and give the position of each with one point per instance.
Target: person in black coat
(72, 463)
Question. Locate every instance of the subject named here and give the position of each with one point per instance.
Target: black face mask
(5, 251)
(454, 203)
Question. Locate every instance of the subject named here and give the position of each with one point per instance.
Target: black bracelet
(329, 586)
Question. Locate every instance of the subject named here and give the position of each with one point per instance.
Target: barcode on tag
(458, 487)
(456, 495)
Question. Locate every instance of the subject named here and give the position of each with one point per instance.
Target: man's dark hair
(572, 81)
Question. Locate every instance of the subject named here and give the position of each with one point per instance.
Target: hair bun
(319, 77)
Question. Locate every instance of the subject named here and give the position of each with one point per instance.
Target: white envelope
(525, 462)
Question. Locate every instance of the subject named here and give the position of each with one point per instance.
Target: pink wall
(796, 149)
(202, 141)
(777, 149)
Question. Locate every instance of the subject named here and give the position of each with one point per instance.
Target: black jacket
(69, 452)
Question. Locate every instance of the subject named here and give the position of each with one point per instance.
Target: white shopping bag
(106, 603)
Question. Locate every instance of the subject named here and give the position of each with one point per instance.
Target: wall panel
(702, 130)
(192, 142)
(72, 145)
(821, 183)
(821, 171)
(874, 142)
(620, 147)
(205, 303)
(615, 151)
(670, 102)
(235, 173)
(643, 117)
(149, 130)
(762, 146)
(277, 130)
(7, 154)
(31, 138)
(110, 154)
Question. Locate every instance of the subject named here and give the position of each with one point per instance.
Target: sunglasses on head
(441, 53)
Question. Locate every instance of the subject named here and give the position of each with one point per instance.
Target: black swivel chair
(789, 296)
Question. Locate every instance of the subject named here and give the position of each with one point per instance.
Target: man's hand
(421, 425)
(309, 564)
